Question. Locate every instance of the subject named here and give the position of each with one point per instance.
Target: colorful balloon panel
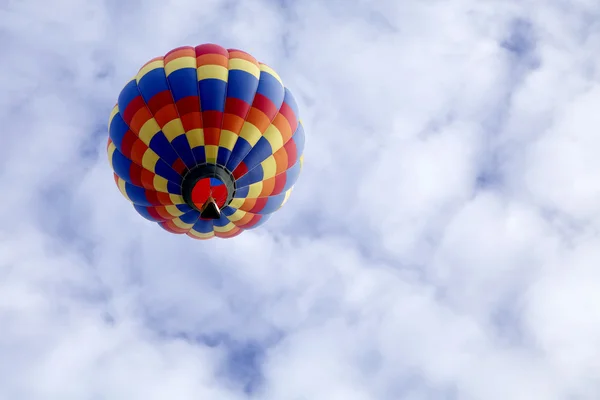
(206, 128)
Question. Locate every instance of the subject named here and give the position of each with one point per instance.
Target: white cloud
(441, 241)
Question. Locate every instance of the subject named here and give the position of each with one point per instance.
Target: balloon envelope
(206, 141)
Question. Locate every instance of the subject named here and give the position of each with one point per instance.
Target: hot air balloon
(206, 141)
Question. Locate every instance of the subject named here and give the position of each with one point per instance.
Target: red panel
(292, 153)
(265, 105)
(135, 175)
(236, 107)
(240, 170)
(183, 51)
(171, 227)
(212, 119)
(259, 205)
(280, 181)
(127, 143)
(164, 198)
(289, 114)
(159, 100)
(138, 150)
(154, 214)
(210, 48)
(147, 179)
(132, 108)
(179, 167)
(188, 105)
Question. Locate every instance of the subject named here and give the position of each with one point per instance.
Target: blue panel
(190, 217)
(241, 148)
(242, 192)
(291, 102)
(203, 226)
(253, 176)
(127, 95)
(273, 204)
(221, 221)
(261, 150)
(121, 165)
(199, 154)
(161, 146)
(184, 208)
(299, 139)
(182, 146)
(227, 211)
(167, 172)
(117, 130)
(183, 83)
(291, 176)
(174, 188)
(143, 211)
(242, 85)
(137, 195)
(270, 87)
(223, 156)
(212, 94)
(153, 83)
(214, 182)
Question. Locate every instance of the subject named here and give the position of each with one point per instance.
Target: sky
(442, 241)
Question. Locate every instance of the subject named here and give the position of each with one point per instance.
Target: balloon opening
(207, 189)
(210, 210)
(209, 194)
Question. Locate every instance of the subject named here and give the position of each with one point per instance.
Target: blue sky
(466, 128)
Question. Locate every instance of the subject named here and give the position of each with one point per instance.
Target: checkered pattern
(205, 104)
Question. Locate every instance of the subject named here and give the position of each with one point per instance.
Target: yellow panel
(176, 199)
(254, 190)
(180, 63)
(111, 151)
(212, 72)
(148, 130)
(244, 65)
(180, 224)
(160, 184)
(225, 228)
(237, 215)
(237, 202)
(173, 129)
(251, 133)
(211, 153)
(201, 235)
(113, 112)
(149, 67)
(266, 68)
(286, 197)
(269, 167)
(174, 211)
(149, 160)
(227, 139)
(195, 137)
(273, 135)
(121, 185)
